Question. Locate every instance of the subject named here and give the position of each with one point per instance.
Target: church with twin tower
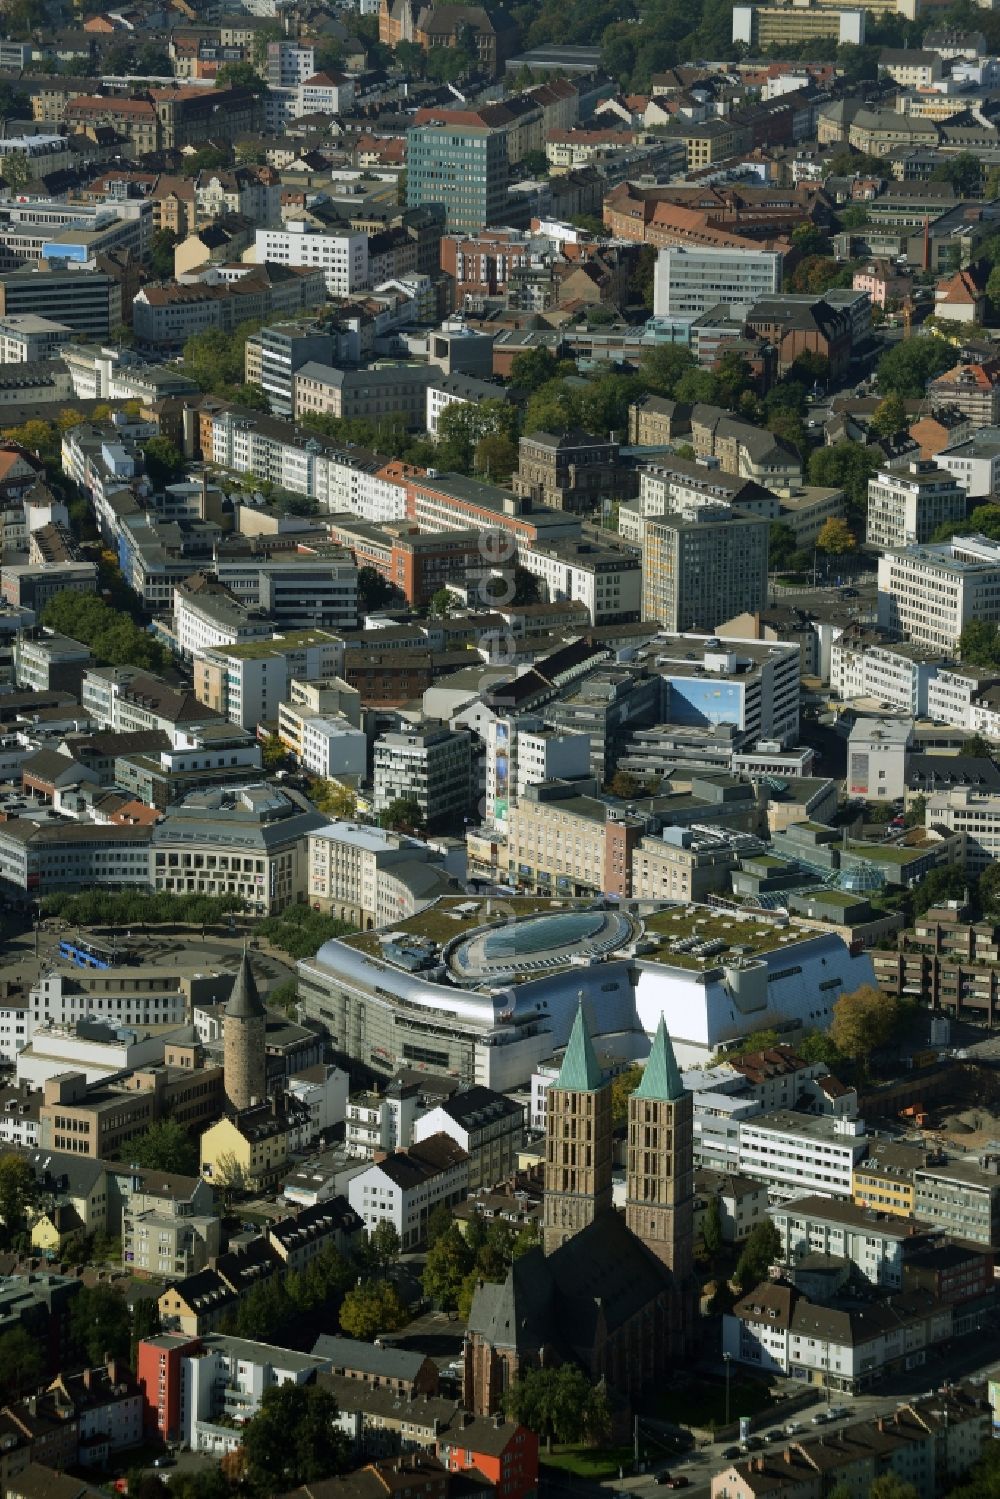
(612, 1292)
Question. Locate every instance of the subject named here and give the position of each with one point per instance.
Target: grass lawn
(598, 1463)
(703, 1402)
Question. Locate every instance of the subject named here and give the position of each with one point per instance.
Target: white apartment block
(950, 696)
(203, 621)
(873, 1244)
(152, 997)
(227, 1377)
(896, 676)
(404, 1189)
(26, 337)
(346, 861)
(381, 496)
(606, 581)
(342, 257)
(930, 593)
(975, 814)
(289, 64)
(876, 758)
(975, 463)
(15, 1027)
(802, 1153)
(381, 1121)
(906, 506)
(524, 752)
(691, 280)
(246, 683)
(333, 747)
(433, 768)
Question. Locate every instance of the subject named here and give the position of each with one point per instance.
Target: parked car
(776, 1435)
(679, 1481)
(837, 1412)
(821, 1418)
(731, 1453)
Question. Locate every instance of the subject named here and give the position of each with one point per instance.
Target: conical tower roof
(244, 1002)
(580, 1071)
(661, 1080)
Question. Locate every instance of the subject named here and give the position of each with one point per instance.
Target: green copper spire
(661, 1080)
(580, 1071)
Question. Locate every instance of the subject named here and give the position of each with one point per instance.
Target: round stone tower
(243, 1034)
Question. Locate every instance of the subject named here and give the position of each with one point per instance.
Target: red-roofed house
(973, 388)
(326, 93)
(961, 298)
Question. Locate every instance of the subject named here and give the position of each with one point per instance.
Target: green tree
(817, 273)
(145, 1323)
(623, 1085)
(847, 466)
(403, 815)
(273, 752)
(442, 602)
(18, 1192)
(229, 1177)
(114, 638)
(373, 1307)
(333, 799)
(463, 425)
(989, 892)
(889, 416)
(293, 1440)
(888, 1486)
(384, 1245)
(819, 1046)
(165, 1146)
(495, 457)
(161, 254)
(533, 368)
(374, 591)
(214, 360)
(240, 75)
(963, 171)
(808, 239)
(760, 1251)
(697, 386)
(977, 746)
(662, 366)
(22, 1363)
(205, 159)
(836, 537)
(939, 886)
(164, 462)
(535, 164)
(439, 1220)
(559, 1404)
(863, 1022)
(916, 812)
(449, 1261)
(782, 545)
(711, 1227)
(17, 171)
(906, 368)
(99, 1323)
(979, 644)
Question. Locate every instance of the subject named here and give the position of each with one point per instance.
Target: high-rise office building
(699, 571)
(463, 168)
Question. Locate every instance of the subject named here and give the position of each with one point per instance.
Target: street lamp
(726, 1359)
